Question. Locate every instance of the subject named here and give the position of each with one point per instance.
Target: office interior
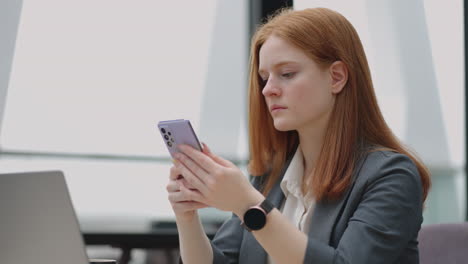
(84, 83)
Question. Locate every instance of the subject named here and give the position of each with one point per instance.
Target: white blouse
(296, 207)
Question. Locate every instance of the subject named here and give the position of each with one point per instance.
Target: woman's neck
(311, 141)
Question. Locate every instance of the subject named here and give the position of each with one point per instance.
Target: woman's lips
(277, 108)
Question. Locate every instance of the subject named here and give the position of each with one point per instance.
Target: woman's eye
(288, 74)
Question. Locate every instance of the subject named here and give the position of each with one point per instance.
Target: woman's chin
(281, 125)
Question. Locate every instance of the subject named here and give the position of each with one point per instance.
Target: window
(90, 80)
(418, 74)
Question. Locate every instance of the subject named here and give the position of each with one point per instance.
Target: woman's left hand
(218, 182)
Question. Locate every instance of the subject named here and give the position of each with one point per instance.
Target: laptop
(38, 223)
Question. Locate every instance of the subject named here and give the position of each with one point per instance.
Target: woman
(332, 183)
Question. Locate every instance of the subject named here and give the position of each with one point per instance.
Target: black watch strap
(267, 206)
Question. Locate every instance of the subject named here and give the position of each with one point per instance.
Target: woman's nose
(271, 88)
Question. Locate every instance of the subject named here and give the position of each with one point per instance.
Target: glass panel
(95, 77)
(418, 71)
(107, 188)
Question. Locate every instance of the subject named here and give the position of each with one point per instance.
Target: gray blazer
(377, 220)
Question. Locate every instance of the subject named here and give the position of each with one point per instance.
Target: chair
(444, 243)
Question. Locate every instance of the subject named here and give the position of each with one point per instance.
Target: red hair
(325, 36)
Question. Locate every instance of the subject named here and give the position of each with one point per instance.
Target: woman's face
(297, 92)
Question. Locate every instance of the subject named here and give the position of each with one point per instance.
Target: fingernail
(205, 147)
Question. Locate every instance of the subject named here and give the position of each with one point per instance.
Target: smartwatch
(255, 217)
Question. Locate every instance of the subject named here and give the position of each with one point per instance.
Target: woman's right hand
(184, 208)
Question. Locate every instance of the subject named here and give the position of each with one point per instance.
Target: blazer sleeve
(387, 217)
(227, 241)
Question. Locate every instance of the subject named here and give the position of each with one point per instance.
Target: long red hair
(325, 36)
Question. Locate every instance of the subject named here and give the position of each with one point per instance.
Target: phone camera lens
(166, 137)
(169, 144)
(163, 130)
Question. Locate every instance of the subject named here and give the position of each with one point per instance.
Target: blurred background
(84, 83)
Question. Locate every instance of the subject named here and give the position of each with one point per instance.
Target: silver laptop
(37, 220)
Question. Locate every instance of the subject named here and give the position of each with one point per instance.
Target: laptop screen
(38, 223)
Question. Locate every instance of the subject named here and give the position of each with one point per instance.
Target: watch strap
(267, 206)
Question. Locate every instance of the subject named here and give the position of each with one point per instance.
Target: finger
(172, 186)
(194, 167)
(185, 195)
(185, 183)
(176, 197)
(198, 157)
(216, 158)
(175, 173)
(188, 206)
(192, 195)
(191, 178)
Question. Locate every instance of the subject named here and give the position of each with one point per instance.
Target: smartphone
(179, 131)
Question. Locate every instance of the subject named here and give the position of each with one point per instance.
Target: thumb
(216, 158)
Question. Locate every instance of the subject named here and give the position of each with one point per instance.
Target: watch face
(254, 219)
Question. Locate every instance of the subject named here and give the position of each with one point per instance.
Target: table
(159, 234)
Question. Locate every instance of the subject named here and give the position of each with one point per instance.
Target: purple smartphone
(176, 132)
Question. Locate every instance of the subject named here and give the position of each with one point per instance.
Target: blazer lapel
(276, 195)
(325, 213)
(324, 217)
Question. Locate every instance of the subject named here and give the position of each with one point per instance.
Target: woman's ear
(339, 76)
